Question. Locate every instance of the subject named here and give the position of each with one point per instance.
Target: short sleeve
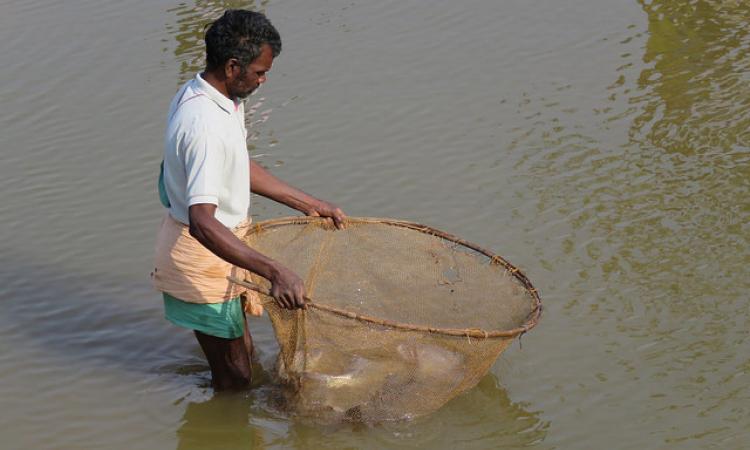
(204, 161)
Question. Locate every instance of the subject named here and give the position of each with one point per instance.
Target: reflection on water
(244, 421)
(190, 26)
(222, 422)
(670, 209)
(697, 62)
(663, 207)
(659, 220)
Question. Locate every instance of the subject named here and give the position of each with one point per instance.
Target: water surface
(602, 146)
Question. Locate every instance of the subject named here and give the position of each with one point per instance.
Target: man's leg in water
(229, 360)
(221, 330)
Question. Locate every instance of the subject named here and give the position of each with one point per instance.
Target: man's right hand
(288, 289)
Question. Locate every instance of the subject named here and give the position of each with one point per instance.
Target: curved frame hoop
(531, 321)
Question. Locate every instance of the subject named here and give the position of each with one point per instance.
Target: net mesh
(413, 316)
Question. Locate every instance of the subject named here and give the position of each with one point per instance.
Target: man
(206, 183)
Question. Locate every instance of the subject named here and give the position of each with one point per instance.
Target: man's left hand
(325, 209)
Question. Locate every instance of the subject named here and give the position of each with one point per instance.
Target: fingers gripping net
(406, 317)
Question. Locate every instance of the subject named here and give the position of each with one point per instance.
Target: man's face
(240, 85)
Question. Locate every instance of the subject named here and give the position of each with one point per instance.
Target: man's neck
(217, 82)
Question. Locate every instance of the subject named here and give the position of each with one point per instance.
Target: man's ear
(230, 68)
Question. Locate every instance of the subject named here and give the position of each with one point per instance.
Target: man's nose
(261, 79)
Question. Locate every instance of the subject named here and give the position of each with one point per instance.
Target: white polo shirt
(205, 154)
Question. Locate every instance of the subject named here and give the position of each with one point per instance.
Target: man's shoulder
(193, 102)
(196, 110)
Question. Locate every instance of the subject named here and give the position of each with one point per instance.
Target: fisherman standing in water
(205, 184)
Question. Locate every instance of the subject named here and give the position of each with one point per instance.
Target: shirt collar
(211, 92)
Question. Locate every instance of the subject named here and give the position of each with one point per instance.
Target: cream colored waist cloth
(187, 270)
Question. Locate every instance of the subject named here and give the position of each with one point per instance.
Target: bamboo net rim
(531, 321)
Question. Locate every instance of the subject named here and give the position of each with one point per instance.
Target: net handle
(468, 332)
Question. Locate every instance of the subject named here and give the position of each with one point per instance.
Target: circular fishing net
(403, 317)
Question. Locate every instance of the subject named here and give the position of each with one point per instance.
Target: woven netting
(403, 317)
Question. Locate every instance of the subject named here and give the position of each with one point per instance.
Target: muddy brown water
(602, 146)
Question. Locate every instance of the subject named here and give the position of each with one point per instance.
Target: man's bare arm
(266, 184)
(286, 287)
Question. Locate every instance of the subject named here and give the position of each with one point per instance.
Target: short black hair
(239, 34)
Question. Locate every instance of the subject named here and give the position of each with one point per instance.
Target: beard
(244, 94)
(241, 91)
